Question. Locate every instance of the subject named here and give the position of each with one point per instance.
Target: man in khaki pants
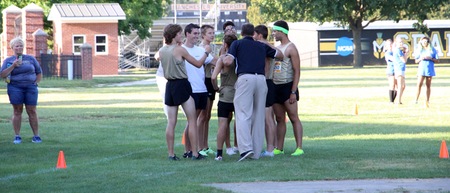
(251, 89)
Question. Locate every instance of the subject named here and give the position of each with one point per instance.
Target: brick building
(94, 24)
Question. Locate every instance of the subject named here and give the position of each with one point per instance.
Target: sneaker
(218, 158)
(245, 155)
(203, 153)
(187, 154)
(267, 154)
(298, 152)
(174, 158)
(199, 157)
(209, 151)
(17, 140)
(230, 151)
(235, 149)
(277, 151)
(36, 139)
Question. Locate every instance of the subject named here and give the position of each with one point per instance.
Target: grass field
(113, 138)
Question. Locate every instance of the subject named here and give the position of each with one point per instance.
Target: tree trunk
(357, 56)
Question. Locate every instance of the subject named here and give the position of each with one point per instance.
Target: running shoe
(209, 151)
(298, 152)
(17, 140)
(246, 155)
(230, 151)
(267, 154)
(277, 151)
(187, 154)
(174, 158)
(203, 153)
(218, 158)
(199, 157)
(36, 139)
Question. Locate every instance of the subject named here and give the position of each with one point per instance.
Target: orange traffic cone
(183, 140)
(444, 150)
(356, 109)
(61, 161)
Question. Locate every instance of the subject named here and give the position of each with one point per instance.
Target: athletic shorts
(178, 91)
(270, 99)
(283, 92)
(23, 94)
(210, 89)
(224, 109)
(200, 100)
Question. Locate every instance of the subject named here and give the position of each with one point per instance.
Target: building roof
(86, 12)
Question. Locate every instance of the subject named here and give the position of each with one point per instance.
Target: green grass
(113, 138)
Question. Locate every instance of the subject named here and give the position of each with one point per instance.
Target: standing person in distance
(286, 77)
(23, 74)
(388, 55)
(400, 55)
(178, 89)
(251, 90)
(426, 56)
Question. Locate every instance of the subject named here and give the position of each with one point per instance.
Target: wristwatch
(293, 92)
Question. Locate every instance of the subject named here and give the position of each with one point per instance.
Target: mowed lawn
(113, 138)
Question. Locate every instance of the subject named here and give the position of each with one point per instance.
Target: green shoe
(298, 152)
(277, 151)
(209, 151)
(203, 153)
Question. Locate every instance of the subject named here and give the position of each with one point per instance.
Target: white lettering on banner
(207, 7)
(411, 40)
(345, 48)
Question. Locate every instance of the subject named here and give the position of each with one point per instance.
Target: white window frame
(101, 44)
(77, 44)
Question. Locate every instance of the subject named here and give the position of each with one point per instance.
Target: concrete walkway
(133, 83)
(353, 186)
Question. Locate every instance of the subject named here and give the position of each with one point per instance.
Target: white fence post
(70, 69)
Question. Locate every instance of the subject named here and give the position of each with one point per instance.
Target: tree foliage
(353, 14)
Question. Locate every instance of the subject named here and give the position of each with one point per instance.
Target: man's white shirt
(196, 76)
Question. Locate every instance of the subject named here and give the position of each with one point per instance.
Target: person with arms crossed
(23, 74)
(286, 77)
(178, 89)
(251, 90)
(400, 56)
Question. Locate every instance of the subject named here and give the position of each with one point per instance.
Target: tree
(353, 14)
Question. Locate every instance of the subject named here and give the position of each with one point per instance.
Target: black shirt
(250, 55)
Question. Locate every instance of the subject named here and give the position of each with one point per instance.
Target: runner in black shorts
(284, 92)
(210, 88)
(270, 99)
(178, 91)
(200, 100)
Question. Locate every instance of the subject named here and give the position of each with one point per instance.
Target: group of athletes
(258, 82)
